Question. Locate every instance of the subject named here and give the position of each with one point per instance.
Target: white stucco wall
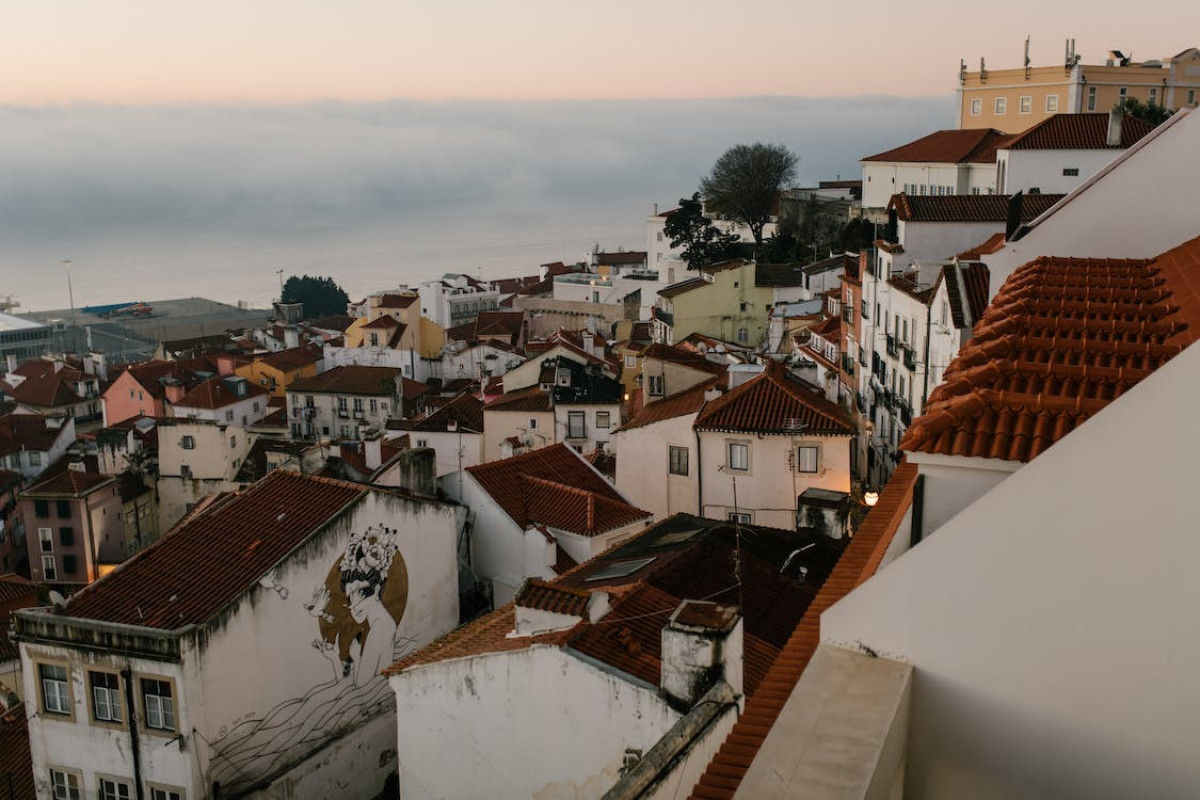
(769, 488)
(1043, 169)
(481, 727)
(1052, 658)
(929, 241)
(643, 467)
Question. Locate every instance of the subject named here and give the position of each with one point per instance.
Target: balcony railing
(891, 345)
(910, 358)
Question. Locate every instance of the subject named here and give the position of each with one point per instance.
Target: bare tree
(746, 181)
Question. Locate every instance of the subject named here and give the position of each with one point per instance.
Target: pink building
(72, 525)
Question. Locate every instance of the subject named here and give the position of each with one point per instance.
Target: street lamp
(70, 292)
(871, 498)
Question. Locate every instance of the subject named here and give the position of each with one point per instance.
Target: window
(185, 471)
(576, 425)
(739, 518)
(1070, 172)
(656, 385)
(678, 460)
(157, 703)
(63, 507)
(1191, 97)
(533, 423)
(112, 789)
(49, 571)
(422, 443)
(256, 402)
(1091, 104)
(976, 107)
(70, 564)
(374, 404)
(603, 419)
(743, 335)
(1001, 105)
(164, 793)
(188, 443)
(35, 459)
(1121, 95)
(41, 508)
(739, 456)
(1154, 95)
(229, 415)
(106, 696)
(232, 442)
(807, 458)
(1025, 105)
(374, 340)
(1052, 103)
(64, 785)
(631, 361)
(46, 537)
(56, 692)
(66, 536)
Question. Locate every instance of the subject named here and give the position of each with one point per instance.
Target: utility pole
(70, 292)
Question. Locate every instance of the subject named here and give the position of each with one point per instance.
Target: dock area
(125, 338)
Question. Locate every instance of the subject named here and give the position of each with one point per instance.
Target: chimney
(701, 644)
(1014, 216)
(99, 364)
(1115, 117)
(291, 336)
(373, 452)
(416, 471)
(11, 360)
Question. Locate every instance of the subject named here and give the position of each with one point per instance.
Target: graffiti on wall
(358, 609)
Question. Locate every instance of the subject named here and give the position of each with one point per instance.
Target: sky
(287, 51)
(175, 148)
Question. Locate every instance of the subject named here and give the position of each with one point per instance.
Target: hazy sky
(137, 51)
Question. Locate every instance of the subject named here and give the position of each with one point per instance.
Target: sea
(222, 201)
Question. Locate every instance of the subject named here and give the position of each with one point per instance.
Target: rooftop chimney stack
(701, 644)
(1115, 117)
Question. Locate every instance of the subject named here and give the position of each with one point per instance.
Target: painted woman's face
(358, 595)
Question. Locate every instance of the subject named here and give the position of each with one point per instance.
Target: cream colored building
(722, 301)
(1012, 100)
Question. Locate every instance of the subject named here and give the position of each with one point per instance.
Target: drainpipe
(699, 470)
(127, 676)
(94, 572)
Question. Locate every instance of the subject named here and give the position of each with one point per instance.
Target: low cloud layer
(133, 185)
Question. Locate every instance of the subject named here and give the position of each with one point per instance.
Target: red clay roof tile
(972, 145)
(1062, 339)
(967, 207)
(1078, 132)
(774, 403)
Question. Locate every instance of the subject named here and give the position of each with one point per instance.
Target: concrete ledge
(843, 732)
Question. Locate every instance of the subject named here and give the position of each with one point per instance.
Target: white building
(344, 402)
(454, 432)
(946, 162)
(537, 514)
(231, 400)
(456, 299)
(598, 674)
(197, 458)
(261, 675)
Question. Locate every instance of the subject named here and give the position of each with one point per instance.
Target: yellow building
(276, 371)
(1013, 100)
(723, 301)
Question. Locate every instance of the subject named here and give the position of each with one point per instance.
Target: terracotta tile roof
(337, 322)
(396, 300)
(544, 596)
(990, 245)
(972, 145)
(247, 534)
(1077, 132)
(682, 357)
(555, 487)
(16, 760)
(689, 401)
(26, 432)
(383, 323)
(772, 403)
(682, 557)
(686, 285)
(215, 393)
(532, 398)
(975, 284)
(968, 207)
(47, 390)
(350, 379)
(564, 507)
(60, 480)
(465, 411)
(563, 561)
(829, 328)
(14, 587)
(858, 563)
(1061, 340)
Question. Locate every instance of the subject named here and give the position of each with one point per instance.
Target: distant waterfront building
(20, 339)
(1012, 100)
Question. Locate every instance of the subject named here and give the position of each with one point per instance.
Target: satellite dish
(58, 600)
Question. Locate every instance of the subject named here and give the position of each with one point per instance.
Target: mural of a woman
(358, 611)
(362, 603)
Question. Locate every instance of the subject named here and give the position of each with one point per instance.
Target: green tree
(322, 297)
(703, 243)
(1147, 112)
(746, 181)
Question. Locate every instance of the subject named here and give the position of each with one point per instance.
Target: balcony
(905, 411)
(847, 364)
(910, 358)
(666, 317)
(891, 345)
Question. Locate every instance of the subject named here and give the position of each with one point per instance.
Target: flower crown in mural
(372, 550)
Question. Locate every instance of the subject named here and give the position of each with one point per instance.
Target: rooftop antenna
(1027, 58)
